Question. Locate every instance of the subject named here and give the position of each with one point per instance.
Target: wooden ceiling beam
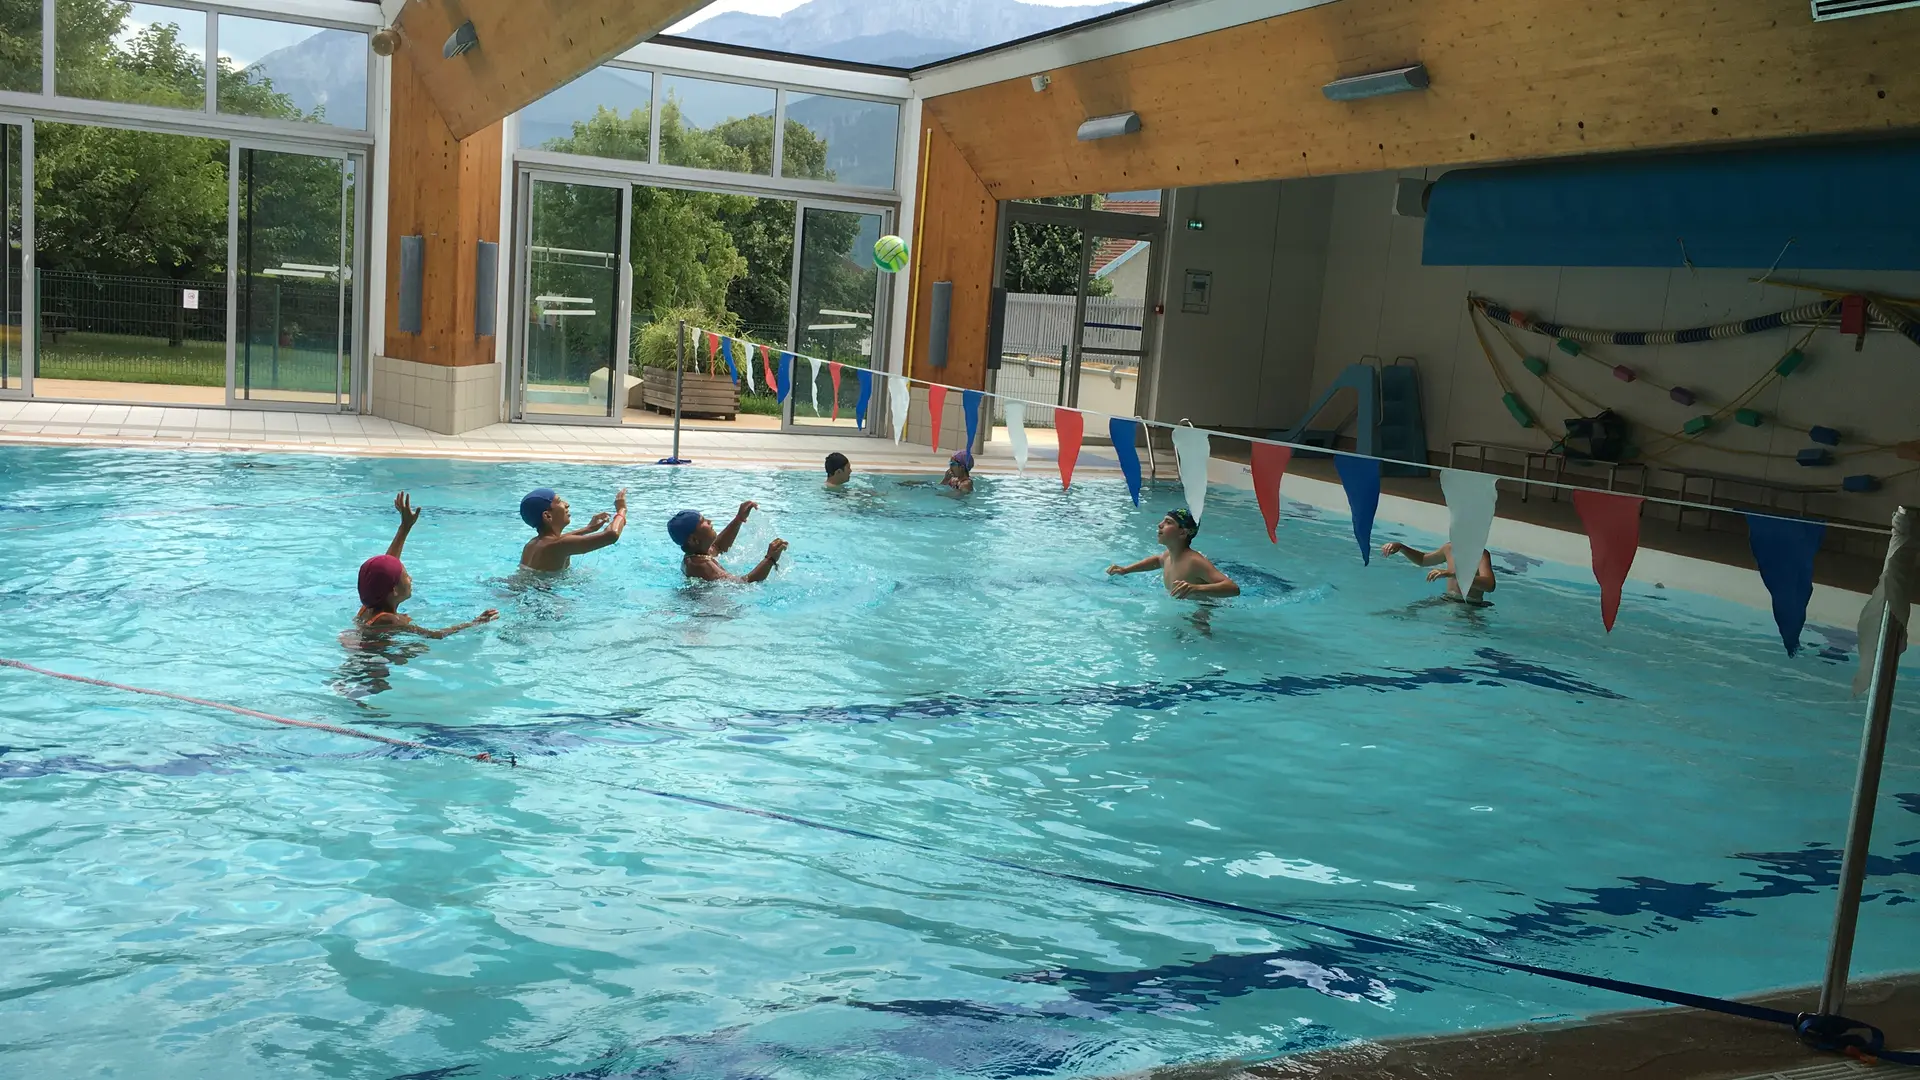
(527, 48)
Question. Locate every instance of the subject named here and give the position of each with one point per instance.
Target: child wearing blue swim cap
(1186, 573)
(553, 547)
(699, 545)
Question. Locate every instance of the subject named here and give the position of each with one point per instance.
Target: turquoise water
(189, 893)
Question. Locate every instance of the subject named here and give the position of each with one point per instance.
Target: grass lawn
(123, 358)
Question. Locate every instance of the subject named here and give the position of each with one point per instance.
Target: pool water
(189, 893)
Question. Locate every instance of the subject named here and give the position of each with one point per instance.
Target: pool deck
(1663, 1044)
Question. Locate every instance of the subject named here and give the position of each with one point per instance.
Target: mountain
(327, 70)
(894, 33)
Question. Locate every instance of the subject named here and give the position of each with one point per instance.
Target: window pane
(606, 113)
(138, 53)
(20, 45)
(840, 139)
(716, 125)
(13, 196)
(293, 72)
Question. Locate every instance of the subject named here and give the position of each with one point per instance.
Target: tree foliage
(1044, 258)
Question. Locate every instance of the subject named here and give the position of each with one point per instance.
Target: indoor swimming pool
(779, 831)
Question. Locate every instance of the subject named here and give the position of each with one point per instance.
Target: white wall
(1248, 362)
(1379, 301)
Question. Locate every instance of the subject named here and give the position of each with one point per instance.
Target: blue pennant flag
(866, 397)
(726, 353)
(785, 373)
(1784, 550)
(1361, 477)
(1123, 433)
(970, 404)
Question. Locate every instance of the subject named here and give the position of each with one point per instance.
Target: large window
(727, 127)
(20, 24)
(608, 112)
(287, 70)
(844, 140)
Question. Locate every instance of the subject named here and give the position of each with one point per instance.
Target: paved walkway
(159, 427)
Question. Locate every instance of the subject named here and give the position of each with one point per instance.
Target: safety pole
(679, 380)
(1866, 789)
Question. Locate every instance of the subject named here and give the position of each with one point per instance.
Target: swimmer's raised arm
(408, 516)
(759, 573)
(602, 531)
(732, 532)
(1415, 556)
(1151, 562)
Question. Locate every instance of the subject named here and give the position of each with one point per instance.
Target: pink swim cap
(379, 576)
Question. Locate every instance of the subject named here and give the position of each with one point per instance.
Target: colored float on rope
(1747, 417)
(1535, 365)
(1518, 408)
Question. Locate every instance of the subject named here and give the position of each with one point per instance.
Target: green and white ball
(890, 254)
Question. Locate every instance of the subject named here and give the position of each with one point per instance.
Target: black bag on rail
(1596, 438)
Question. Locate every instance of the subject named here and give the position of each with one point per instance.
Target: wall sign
(1196, 295)
(190, 299)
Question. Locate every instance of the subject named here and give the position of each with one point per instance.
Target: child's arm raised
(408, 516)
(732, 532)
(603, 531)
(1151, 562)
(759, 573)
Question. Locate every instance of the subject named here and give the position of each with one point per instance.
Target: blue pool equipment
(1391, 424)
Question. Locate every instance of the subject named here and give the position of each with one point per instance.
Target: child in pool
(385, 585)
(552, 547)
(839, 471)
(1441, 559)
(700, 546)
(1187, 573)
(959, 476)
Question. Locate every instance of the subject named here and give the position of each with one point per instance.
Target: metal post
(1873, 745)
(679, 379)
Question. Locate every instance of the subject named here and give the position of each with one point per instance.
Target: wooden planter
(702, 396)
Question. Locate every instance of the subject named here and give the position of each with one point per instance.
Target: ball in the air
(890, 254)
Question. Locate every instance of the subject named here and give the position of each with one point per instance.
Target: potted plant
(706, 390)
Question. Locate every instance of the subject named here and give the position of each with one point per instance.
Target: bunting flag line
(1470, 501)
(766, 366)
(1016, 412)
(936, 411)
(784, 384)
(813, 389)
(1192, 447)
(713, 350)
(726, 352)
(866, 396)
(746, 365)
(1123, 433)
(1784, 550)
(1269, 465)
(899, 396)
(1071, 426)
(1896, 589)
(1360, 476)
(970, 408)
(1613, 529)
(833, 368)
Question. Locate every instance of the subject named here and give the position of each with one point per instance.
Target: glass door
(290, 340)
(574, 292)
(1112, 322)
(16, 268)
(838, 315)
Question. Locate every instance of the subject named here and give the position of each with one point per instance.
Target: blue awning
(1850, 207)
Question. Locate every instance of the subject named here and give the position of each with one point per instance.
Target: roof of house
(1112, 250)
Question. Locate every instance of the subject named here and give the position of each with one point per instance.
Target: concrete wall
(1248, 362)
(1379, 301)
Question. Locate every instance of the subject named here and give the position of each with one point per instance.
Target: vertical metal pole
(679, 379)
(1866, 790)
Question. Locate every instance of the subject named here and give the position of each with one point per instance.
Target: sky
(781, 7)
(242, 40)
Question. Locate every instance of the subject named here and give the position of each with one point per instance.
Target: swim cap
(1185, 521)
(963, 458)
(379, 576)
(537, 502)
(681, 525)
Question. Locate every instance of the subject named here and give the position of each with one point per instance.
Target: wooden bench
(1714, 480)
(53, 327)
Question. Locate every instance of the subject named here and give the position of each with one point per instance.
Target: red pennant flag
(1269, 465)
(766, 365)
(937, 406)
(833, 369)
(1070, 425)
(713, 351)
(1613, 528)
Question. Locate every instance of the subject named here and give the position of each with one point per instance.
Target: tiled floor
(224, 429)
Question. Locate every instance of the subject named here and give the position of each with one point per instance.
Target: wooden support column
(956, 244)
(446, 190)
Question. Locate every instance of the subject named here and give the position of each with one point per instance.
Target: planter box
(707, 397)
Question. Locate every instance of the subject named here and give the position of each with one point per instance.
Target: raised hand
(1439, 572)
(776, 549)
(746, 508)
(599, 521)
(620, 501)
(1391, 547)
(408, 513)
(488, 615)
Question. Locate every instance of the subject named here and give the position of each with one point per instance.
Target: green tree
(1044, 258)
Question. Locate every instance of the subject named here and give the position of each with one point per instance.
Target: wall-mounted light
(385, 41)
(1106, 127)
(1397, 81)
(1041, 82)
(460, 41)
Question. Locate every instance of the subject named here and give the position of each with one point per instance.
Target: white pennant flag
(813, 388)
(1193, 446)
(1470, 501)
(1017, 432)
(752, 354)
(1896, 585)
(899, 396)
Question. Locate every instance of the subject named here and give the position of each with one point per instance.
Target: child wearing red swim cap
(385, 585)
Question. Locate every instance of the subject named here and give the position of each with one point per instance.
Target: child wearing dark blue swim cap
(699, 545)
(553, 547)
(1186, 573)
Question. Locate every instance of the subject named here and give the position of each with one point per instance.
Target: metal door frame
(882, 315)
(29, 276)
(524, 180)
(347, 357)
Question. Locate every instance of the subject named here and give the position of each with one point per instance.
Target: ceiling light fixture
(1106, 127)
(1379, 83)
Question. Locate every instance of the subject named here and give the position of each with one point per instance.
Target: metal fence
(148, 307)
(1040, 325)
